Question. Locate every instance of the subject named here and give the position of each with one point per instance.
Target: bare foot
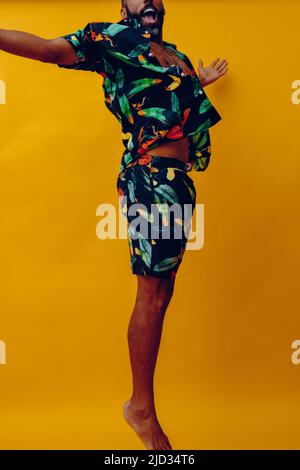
(146, 426)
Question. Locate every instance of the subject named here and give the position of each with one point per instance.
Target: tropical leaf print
(127, 159)
(141, 61)
(162, 208)
(203, 142)
(191, 191)
(128, 137)
(114, 29)
(107, 67)
(205, 105)
(204, 125)
(120, 78)
(125, 107)
(156, 68)
(76, 40)
(130, 246)
(197, 86)
(167, 193)
(200, 163)
(142, 84)
(145, 250)
(140, 105)
(147, 180)
(175, 105)
(148, 215)
(122, 54)
(110, 86)
(139, 50)
(167, 263)
(163, 115)
(200, 139)
(131, 191)
(104, 38)
(123, 58)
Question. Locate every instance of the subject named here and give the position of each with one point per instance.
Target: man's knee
(154, 292)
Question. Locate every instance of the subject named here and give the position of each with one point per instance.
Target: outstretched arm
(211, 73)
(55, 51)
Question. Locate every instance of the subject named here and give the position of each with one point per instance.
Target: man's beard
(154, 29)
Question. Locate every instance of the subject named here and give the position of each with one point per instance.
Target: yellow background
(224, 377)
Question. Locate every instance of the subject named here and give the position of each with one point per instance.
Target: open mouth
(150, 15)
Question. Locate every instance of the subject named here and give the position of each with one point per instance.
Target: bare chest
(166, 57)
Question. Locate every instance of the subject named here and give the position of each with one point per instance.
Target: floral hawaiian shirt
(154, 104)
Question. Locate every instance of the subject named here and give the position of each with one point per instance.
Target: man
(155, 93)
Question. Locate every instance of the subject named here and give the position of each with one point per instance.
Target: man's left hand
(211, 73)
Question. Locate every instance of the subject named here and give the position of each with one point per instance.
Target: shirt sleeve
(88, 48)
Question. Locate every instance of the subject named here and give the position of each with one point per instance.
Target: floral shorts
(158, 198)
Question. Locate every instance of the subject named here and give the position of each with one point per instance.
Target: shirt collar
(134, 23)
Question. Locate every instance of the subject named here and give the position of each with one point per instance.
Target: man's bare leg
(144, 334)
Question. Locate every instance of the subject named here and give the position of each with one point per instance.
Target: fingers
(221, 65)
(215, 62)
(223, 71)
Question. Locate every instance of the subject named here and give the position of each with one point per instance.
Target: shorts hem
(158, 275)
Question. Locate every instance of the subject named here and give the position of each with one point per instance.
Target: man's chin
(154, 28)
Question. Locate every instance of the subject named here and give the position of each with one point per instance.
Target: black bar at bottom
(154, 458)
